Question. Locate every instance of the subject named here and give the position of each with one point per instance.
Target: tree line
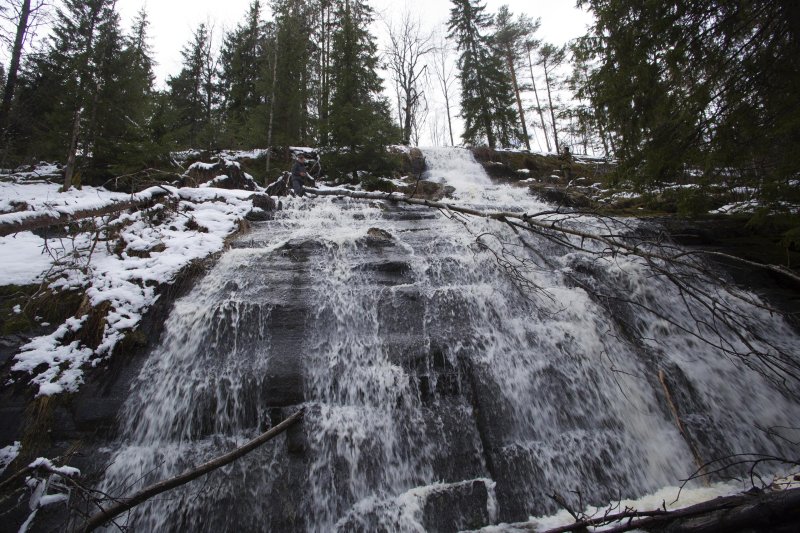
(306, 73)
(677, 89)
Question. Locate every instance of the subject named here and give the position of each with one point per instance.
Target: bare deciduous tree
(445, 72)
(408, 45)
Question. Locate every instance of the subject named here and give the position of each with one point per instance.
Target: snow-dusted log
(31, 220)
(761, 511)
(125, 504)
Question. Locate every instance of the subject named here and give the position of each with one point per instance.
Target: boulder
(224, 174)
(264, 207)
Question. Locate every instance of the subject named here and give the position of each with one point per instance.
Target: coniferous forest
(670, 91)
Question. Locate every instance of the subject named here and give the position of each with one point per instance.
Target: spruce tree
(293, 70)
(243, 66)
(194, 95)
(486, 91)
(359, 115)
(710, 85)
(122, 135)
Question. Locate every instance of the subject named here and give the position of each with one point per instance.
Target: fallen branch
(529, 222)
(728, 513)
(125, 504)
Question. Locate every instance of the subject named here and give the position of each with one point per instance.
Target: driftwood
(125, 504)
(761, 511)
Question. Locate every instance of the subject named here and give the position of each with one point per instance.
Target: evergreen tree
(243, 67)
(706, 84)
(293, 70)
(487, 97)
(359, 116)
(194, 95)
(122, 139)
(509, 38)
(87, 96)
(550, 58)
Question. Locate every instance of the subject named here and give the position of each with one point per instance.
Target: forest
(698, 91)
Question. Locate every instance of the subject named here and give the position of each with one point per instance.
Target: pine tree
(359, 115)
(550, 58)
(486, 90)
(509, 38)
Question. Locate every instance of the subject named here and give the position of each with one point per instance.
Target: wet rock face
(457, 507)
(562, 197)
(429, 190)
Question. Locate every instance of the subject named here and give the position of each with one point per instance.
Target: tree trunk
(69, 171)
(31, 220)
(272, 104)
(408, 116)
(449, 120)
(487, 119)
(13, 67)
(538, 104)
(510, 62)
(552, 112)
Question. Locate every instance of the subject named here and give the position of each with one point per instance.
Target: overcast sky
(173, 21)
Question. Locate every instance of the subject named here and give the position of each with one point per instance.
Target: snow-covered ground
(121, 261)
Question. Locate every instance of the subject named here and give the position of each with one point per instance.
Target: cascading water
(453, 374)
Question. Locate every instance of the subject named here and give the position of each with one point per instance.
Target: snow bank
(126, 281)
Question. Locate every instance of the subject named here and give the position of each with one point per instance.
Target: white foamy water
(453, 373)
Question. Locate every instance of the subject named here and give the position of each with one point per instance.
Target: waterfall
(453, 373)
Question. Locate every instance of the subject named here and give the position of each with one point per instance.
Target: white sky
(173, 21)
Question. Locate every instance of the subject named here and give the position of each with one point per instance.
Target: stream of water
(454, 374)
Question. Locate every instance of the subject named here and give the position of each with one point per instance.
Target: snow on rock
(125, 282)
(7, 455)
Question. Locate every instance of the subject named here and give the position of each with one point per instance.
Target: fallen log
(125, 504)
(31, 220)
(755, 511)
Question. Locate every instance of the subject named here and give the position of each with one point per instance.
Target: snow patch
(153, 255)
(8, 454)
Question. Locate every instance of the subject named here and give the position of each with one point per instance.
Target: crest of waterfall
(453, 373)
